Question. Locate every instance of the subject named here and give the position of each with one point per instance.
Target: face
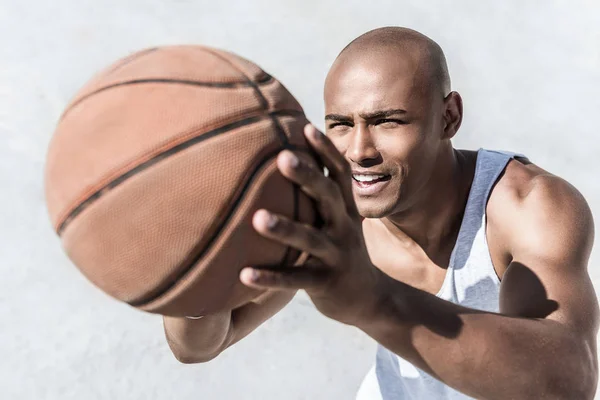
(382, 115)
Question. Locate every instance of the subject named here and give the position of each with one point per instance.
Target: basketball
(155, 170)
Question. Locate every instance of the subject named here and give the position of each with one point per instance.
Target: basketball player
(469, 268)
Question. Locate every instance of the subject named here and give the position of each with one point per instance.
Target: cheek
(422, 158)
(411, 152)
(340, 142)
(405, 147)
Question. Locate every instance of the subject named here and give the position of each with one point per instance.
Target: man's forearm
(201, 340)
(485, 355)
(246, 319)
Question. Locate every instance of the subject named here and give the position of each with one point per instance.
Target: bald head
(396, 44)
(389, 110)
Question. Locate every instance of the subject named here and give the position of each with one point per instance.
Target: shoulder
(532, 210)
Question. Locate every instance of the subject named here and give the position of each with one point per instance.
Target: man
(468, 268)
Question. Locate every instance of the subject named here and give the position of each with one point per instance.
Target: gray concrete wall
(528, 72)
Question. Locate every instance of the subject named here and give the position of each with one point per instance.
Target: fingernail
(249, 274)
(271, 221)
(293, 160)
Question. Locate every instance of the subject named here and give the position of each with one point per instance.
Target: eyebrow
(338, 117)
(371, 115)
(381, 114)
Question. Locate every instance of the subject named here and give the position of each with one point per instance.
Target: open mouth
(369, 184)
(370, 179)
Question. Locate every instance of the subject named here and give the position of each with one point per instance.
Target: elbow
(190, 351)
(189, 358)
(187, 355)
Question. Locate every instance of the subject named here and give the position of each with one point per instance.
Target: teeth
(367, 178)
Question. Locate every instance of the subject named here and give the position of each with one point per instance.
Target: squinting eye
(389, 123)
(339, 124)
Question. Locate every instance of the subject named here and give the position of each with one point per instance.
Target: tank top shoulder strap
(489, 166)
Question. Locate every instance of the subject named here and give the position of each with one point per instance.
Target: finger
(292, 278)
(312, 182)
(339, 169)
(299, 236)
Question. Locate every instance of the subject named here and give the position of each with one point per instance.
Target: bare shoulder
(531, 209)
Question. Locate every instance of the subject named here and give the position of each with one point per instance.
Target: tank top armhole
(490, 265)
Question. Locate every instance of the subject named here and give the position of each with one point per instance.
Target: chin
(375, 208)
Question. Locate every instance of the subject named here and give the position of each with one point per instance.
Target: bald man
(469, 268)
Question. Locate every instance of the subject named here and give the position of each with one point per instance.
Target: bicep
(548, 276)
(557, 293)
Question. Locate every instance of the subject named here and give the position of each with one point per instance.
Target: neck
(434, 220)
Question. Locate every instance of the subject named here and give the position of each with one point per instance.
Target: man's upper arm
(550, 240)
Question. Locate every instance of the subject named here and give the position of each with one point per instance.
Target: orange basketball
(156, 168)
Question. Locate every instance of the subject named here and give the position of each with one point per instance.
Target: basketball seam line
(130, 59)
(261, 98)
(221, 85)
(280, 132)
(158, 157)
(181, 137)
(161, 290)
(263, 102)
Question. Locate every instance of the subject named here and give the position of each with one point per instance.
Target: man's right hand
(201, 340)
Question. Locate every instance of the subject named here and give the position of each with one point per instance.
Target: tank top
(470, 281)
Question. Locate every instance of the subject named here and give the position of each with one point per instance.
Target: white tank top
(470, 281)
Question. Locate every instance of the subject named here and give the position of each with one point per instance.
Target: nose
(362, 150)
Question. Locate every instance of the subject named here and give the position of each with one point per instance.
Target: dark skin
(380, 258)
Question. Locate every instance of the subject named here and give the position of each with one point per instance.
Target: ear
(453, 113)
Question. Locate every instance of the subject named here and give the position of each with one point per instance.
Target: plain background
(528, 71)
